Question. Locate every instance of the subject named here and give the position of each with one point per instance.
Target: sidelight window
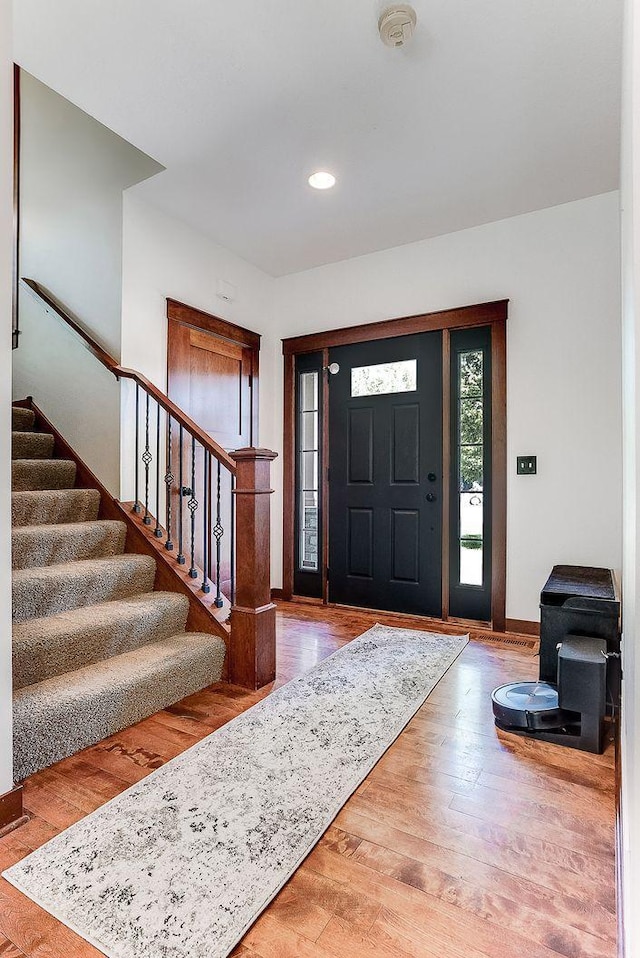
(308, 470)
(470, 434)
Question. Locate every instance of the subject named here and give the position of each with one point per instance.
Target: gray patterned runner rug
(181, 864)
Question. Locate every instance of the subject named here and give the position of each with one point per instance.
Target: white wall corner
(6, 258)
(630, 208)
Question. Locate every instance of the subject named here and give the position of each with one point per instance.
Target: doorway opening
(395, 471)
(212, 374)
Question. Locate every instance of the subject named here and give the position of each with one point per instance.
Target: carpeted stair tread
(22, 419)
(42, 474)
(61, 715)
(47, 590)
(53, 506)
(31, 445)
(47, 647)
(44, 545)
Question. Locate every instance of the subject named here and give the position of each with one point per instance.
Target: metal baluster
(136, 504)
(193, 505)
(158, 529)
(218, 532)
(146, 458)
(168, 482)
(209, 524)
(206, 522)
(233, 540)
(180, 558)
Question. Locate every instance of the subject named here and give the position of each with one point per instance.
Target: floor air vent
(521, 642)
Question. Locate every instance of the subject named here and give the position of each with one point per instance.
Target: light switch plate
(527, 465)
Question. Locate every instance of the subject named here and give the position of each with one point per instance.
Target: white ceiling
(496, 108)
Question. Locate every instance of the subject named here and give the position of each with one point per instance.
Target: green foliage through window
(471, 369)
(470, 412)
(470, 432)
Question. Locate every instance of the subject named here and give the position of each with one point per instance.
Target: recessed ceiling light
(322, 180)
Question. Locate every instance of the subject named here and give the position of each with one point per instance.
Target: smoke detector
(396, 25)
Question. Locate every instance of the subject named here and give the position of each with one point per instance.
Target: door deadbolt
(432, 477)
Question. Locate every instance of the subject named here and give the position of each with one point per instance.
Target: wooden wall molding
(522, 627)
(199, 319)
(15, 319)
(482, 314)
(498, 475)
(446, 470)
(11, 810)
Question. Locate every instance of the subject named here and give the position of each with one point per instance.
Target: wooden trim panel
(522, 627)
(17, 122)
(324, 490)
(446, 468)
(223, 346)
(198, 318)
(288, 476)
(498, 475)
(480, 315)
(11, 810)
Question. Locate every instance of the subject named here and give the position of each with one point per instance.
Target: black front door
(385, 486)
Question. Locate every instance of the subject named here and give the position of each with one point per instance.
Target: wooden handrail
(121, 372)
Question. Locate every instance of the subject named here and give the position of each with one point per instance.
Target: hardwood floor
(462, 842)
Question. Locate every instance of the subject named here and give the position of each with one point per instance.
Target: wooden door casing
(212, 373)
(482, 314)
(212, 380)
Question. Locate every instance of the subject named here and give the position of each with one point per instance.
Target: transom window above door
(382, 379)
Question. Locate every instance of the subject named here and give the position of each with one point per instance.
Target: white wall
(163, 257)
(630, 202)
(73, 172)
(6, 254)
(560, 270)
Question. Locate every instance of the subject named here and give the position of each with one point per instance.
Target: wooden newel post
(252, 652)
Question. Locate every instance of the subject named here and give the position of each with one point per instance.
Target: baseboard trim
(279, 595)
(517, 626)
(11, 811)
(523, 627)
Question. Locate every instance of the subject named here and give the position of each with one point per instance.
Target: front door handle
(431, 497)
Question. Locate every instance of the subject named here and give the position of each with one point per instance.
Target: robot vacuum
(529, 706)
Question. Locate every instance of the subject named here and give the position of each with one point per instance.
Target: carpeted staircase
(95, 649)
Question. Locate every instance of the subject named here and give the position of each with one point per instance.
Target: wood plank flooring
(461, 843)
